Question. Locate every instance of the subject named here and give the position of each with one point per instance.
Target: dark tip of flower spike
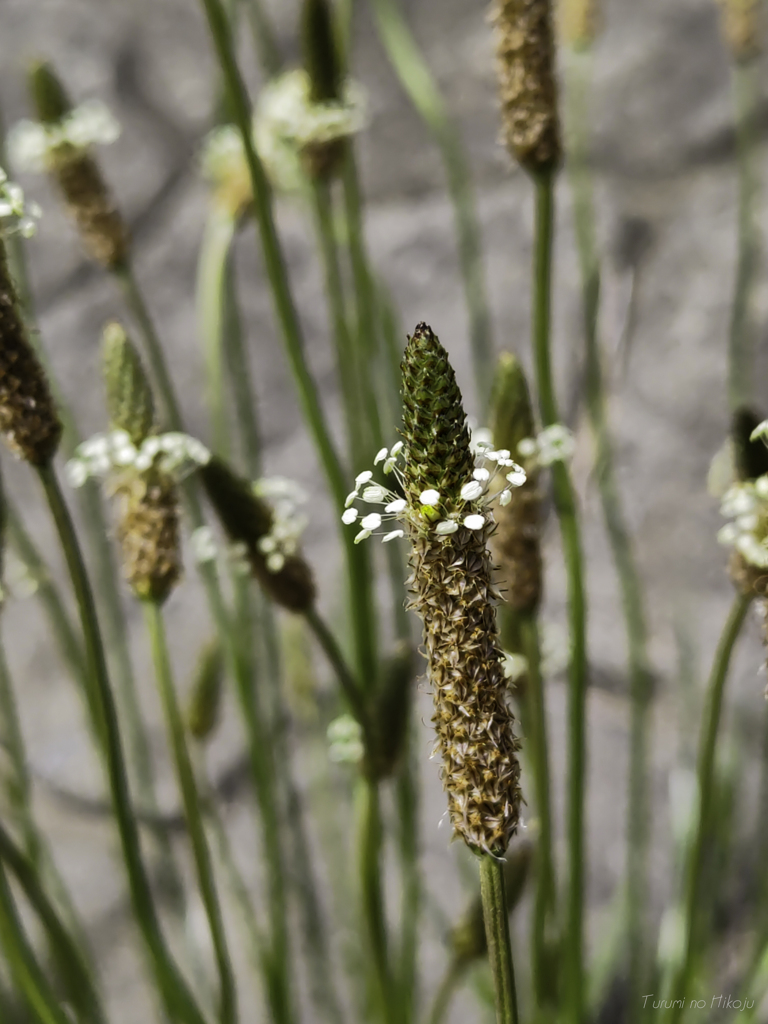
(47, 93)
(28, 418)
(129, 396)
(527, 88)
(320, 52)
(751, 457)
(247, 519)
(207, 691)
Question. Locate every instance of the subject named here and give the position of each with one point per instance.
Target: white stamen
(352, 496)
(517, 477)
(474, 522)
(429, 497)
(472, 490)
(362, 478)
(375, 493)
(363, 535)
(349, 516)
(371, 522)
(392, 536)
(505, 497)
(446, 527)
(380, 456)
(396, 506)
(481, 474)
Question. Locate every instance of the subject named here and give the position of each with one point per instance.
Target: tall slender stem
(21, 959)
(640, 675)
(497, 936)
(369, 851)
(177, 997)
(191, 802)
(75, 970)
(565, 505)
(416, 79)
(705, 776)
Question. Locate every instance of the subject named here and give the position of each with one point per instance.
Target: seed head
(742, 28)
(72, 166)
(516, 543)
(129, 396)
(28, 418)
(451, 589)
(149, 534)
(248, 519)
(579, 22)
(527, 87)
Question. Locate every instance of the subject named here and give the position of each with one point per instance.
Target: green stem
(705, 771)
(349, 685)
(497, 936)
(640, 675)
(369, 852)
(75, 971)
(545, 872)
(741, 375)
(407, 795)
(25, 969)
(176, 995)
(191, 803)
(264, 38)
(449, 984)
(212, 310)
(355, 406)
(565, 505)
(358, 561)
(416, 79)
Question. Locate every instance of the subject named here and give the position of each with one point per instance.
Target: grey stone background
(663, 154)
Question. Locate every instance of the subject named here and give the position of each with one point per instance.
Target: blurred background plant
(281, 852)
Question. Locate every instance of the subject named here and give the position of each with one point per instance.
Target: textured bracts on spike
(86, 196)
(149, 535)
(28, 419)
(451, 589)
(742, 25)
(527, 87)
(248, 520)
(516, 542)
(102, 229)
(129, 396)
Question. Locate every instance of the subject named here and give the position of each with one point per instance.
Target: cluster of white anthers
(114, 456)
(553, 444)
(282, 541)
(16, 215)
(746, 503)
(30, 142)
(489, 464)
(287, 121)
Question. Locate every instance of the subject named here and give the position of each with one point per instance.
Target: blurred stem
(264, 38)
(496, 917)
(544, 907)
(349, 685)
(416, 79)
(705, 772)
(565, 505)
(746, 96)
(347, 354)
(177, 997)
(640, 676)
(192, 815)
(407, 796)
(212, 311)
(369, 852)
(358, 560)
(449, 985)
(75, 971)
(22, 962)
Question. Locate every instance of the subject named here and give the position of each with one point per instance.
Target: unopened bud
(149, 535)
(207, 690)
(129, 396)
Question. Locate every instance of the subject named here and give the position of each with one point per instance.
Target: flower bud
(86, 196)
(579, 23)
(28, 418)
(129, 396)
(207, 691)
(527, 88)
(248, 519)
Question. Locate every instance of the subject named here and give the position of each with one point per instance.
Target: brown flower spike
(452, 591)
(527, 88)
(28, 418)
